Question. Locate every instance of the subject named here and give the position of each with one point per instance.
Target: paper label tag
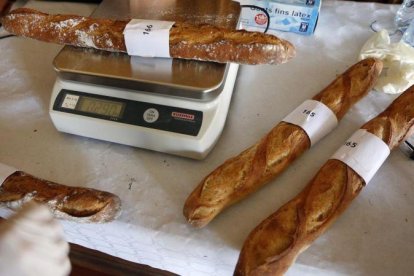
(148, 38)
(315, 118)
(5, 171)
(364, 153)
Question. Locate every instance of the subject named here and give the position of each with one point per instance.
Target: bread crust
(71, 203)
(244, 174)
(187, 41)
(275, 243)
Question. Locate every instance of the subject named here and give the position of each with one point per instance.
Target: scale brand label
(182, 116)
(148, 38)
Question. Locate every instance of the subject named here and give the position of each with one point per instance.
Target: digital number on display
(101, 107)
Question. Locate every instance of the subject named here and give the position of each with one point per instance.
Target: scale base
(197, 146)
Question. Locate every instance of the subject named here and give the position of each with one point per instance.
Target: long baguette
(243, 174)
(204, 42)
(71, 203)
(275, 243)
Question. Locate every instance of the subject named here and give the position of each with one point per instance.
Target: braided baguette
(204, 42)
(242, 175)
(276, 242)
(71, 203)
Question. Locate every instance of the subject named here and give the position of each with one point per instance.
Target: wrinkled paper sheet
(373, 237)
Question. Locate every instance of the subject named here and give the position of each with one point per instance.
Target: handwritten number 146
(148, 29)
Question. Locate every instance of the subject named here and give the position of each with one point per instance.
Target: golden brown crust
(187, 41)
(395, 123)
(276, 242)
(74, 203)
(243, 174)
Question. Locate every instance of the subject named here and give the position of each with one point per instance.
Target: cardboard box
(298, 16)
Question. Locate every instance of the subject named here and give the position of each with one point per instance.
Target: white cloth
(153, 186)
(32, 243)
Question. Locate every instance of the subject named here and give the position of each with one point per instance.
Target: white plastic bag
(398, 59)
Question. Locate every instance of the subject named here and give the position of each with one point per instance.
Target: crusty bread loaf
(243, 174)
(276, 242)
(71, 203)
(203, 42)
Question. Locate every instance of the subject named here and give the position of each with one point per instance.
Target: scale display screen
(101, 107)
(150, 115)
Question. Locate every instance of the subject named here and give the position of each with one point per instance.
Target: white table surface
(373, 237)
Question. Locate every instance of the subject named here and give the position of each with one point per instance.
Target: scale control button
(70, 101)
(151, 115)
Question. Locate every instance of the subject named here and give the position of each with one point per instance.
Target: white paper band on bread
(6, 171)
(315, 118)
(364, 153)
(148, 38)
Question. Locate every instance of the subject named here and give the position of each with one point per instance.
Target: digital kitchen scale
(168, 105)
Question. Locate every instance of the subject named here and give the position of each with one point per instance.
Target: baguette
(203, 42)
(71, 203)
(242, 175)
(276, 242)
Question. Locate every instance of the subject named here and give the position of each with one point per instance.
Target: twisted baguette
(276, 242)
(242, 175)
(72, 203)
(204, 42)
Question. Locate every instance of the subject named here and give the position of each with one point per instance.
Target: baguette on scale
(187, 41)
(242, 175)
(272, 247)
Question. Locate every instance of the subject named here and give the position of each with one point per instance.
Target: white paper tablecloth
(373, 237)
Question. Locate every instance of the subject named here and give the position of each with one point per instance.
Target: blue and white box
(298, 16)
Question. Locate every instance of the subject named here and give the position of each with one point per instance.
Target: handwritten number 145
(309, 112)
